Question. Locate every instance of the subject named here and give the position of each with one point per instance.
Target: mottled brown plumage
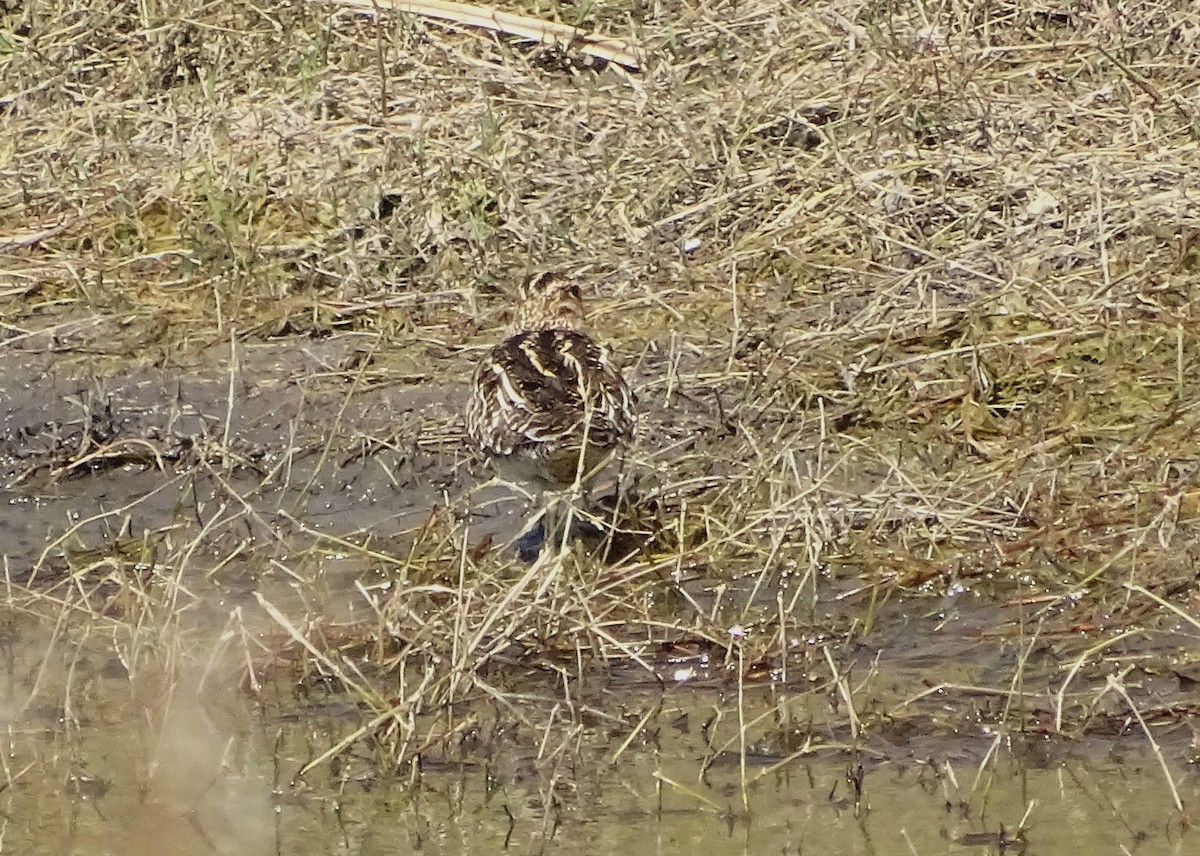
(549, 391)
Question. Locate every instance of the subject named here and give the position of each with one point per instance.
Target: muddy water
(124, 733)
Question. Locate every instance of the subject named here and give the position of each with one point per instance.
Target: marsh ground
(908, 294)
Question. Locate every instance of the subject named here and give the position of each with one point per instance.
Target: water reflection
(124, 775)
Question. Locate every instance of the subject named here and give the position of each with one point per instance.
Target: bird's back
(542, 397)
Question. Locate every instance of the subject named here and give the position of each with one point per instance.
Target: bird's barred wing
(548, 387)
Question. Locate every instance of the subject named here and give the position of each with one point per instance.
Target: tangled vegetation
(907, 291)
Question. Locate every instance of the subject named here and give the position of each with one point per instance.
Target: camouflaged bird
(547, 405)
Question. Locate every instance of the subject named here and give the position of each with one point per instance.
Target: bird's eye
(573, 290)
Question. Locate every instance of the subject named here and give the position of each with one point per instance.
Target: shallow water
(202, 776)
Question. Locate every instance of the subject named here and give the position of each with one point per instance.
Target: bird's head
(549, 301)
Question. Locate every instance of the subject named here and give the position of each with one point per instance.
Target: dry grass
(908, 292)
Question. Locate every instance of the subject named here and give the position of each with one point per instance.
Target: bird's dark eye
(573, 290)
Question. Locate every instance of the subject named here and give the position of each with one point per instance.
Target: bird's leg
(539, 530)
(560, 516)
(575, 496)
(530, 544)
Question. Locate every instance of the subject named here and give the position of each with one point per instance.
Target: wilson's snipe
(547, 405)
